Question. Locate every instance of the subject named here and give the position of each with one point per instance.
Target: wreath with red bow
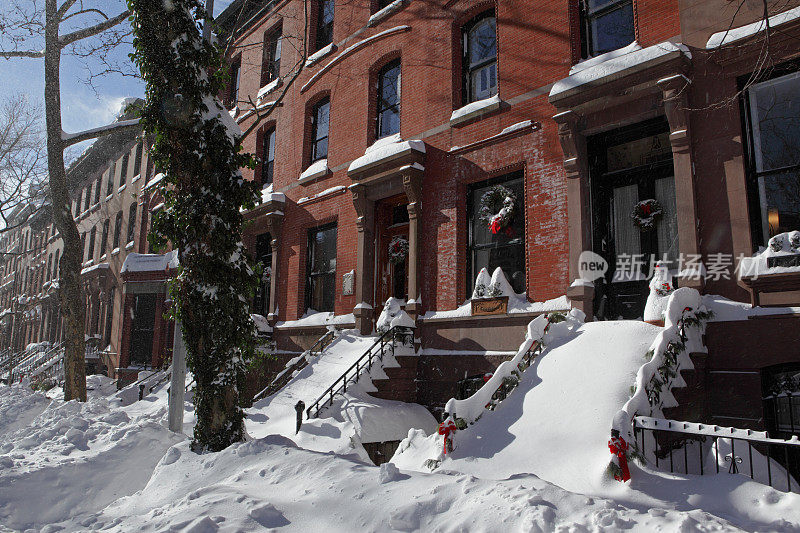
(646, 213)
(398, 250)
(497, 209)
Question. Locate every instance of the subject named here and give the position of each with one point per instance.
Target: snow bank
(515, 305)
(316, 318)
(392, 308)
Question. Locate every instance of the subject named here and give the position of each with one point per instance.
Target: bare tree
(22, 160)
(30, 30)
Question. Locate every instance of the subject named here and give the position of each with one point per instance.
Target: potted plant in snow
(490, 296)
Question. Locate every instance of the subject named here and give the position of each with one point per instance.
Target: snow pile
(494, 287)
(386, 12)
(392, 308)
(781, 245)
(737, 34)
(71, 458)
(583, 64)
(668, 354)
(555, 424)
(660, 290)
(262, 326)
(725, 310)
(319, 54)
(385, 149)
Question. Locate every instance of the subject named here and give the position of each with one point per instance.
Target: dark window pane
(612, 29)
(104, 238)
(319, 137)
(110, 183)
(137, 162)
(480, 65)
(97, 185)
(324, 23)
(131, 222)
(321, 278)
(776, 122)
(781, 201)
(389, 100)
(92, 238)
(268, 155)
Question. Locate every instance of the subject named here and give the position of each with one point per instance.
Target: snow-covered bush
(391, 309)
(660, 290)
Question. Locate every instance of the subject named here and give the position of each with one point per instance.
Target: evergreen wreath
(398, 249)
(497, 208)
(646, 213)
(665, 289)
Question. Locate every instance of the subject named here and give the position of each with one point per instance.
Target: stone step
(401, 372)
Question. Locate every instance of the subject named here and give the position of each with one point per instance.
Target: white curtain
(626, 234)
(667, 226)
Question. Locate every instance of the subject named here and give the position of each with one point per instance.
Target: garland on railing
(682, 334)
(463, 413)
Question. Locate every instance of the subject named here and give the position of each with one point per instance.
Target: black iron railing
(37, 359)
(384, 344)
(286, 374)
(692, 448)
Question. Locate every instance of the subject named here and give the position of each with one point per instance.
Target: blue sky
(82, 108)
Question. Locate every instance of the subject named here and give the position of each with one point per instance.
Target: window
(131, 222)
(774, 112)
(233, 93)
(92, 238)
(606, 25)
(324, 35)
(268, 156)
(504, 249)
(109, 315)
(49, 267)
(123, 172)
(87, 197)
(110, 184)
(104, 237)
(97, 186)
(480, 58)
(321, 269)
(117, 230)
(264, 256)
(137, 160)
(83, 244)
(319, 130)
(388, 115)
(271, 67)
(56, 264)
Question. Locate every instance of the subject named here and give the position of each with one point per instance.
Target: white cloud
(80, 112)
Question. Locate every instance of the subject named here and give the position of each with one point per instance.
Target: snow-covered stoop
(354, 415)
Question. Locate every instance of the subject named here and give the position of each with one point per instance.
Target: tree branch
(91, 31)
(74, 138)
(22, 53)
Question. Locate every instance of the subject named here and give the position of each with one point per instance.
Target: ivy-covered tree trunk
(197, 147)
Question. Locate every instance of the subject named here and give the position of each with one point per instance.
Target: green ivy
(203, 193)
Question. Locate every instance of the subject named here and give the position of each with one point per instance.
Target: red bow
(619, 447)
(446, 428)
(646, 209)
(495, 226)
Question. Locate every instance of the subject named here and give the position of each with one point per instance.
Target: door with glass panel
(634, 214)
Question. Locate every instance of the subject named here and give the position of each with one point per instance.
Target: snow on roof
(615, 66)
(150, 262)
(385, 148)
(742, 32)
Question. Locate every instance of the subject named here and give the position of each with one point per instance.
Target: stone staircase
(400, 382)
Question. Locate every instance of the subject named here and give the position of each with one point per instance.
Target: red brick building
(579, 110)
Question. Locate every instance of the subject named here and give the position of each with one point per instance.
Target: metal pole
(178, 382)
(207, 21)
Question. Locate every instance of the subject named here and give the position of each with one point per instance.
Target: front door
(144, 320)
(632, 176)
(392, 253)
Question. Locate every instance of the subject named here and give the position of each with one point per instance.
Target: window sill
(115, 251)
(476, 110)
(109, 197)
(136, 178)
(122, 188)
(320, 54)
(103, 257)
(316, 170)
(269, 88)
(386, 12)
(129, 245)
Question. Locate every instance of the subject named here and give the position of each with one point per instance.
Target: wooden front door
(391, 223)
(629, 166)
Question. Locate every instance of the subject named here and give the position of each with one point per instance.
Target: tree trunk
(73, 307)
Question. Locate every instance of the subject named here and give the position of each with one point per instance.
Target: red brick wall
(535, 48)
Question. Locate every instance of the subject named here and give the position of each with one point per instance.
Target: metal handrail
(377, 350)
(36, 360)
(285, 375)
